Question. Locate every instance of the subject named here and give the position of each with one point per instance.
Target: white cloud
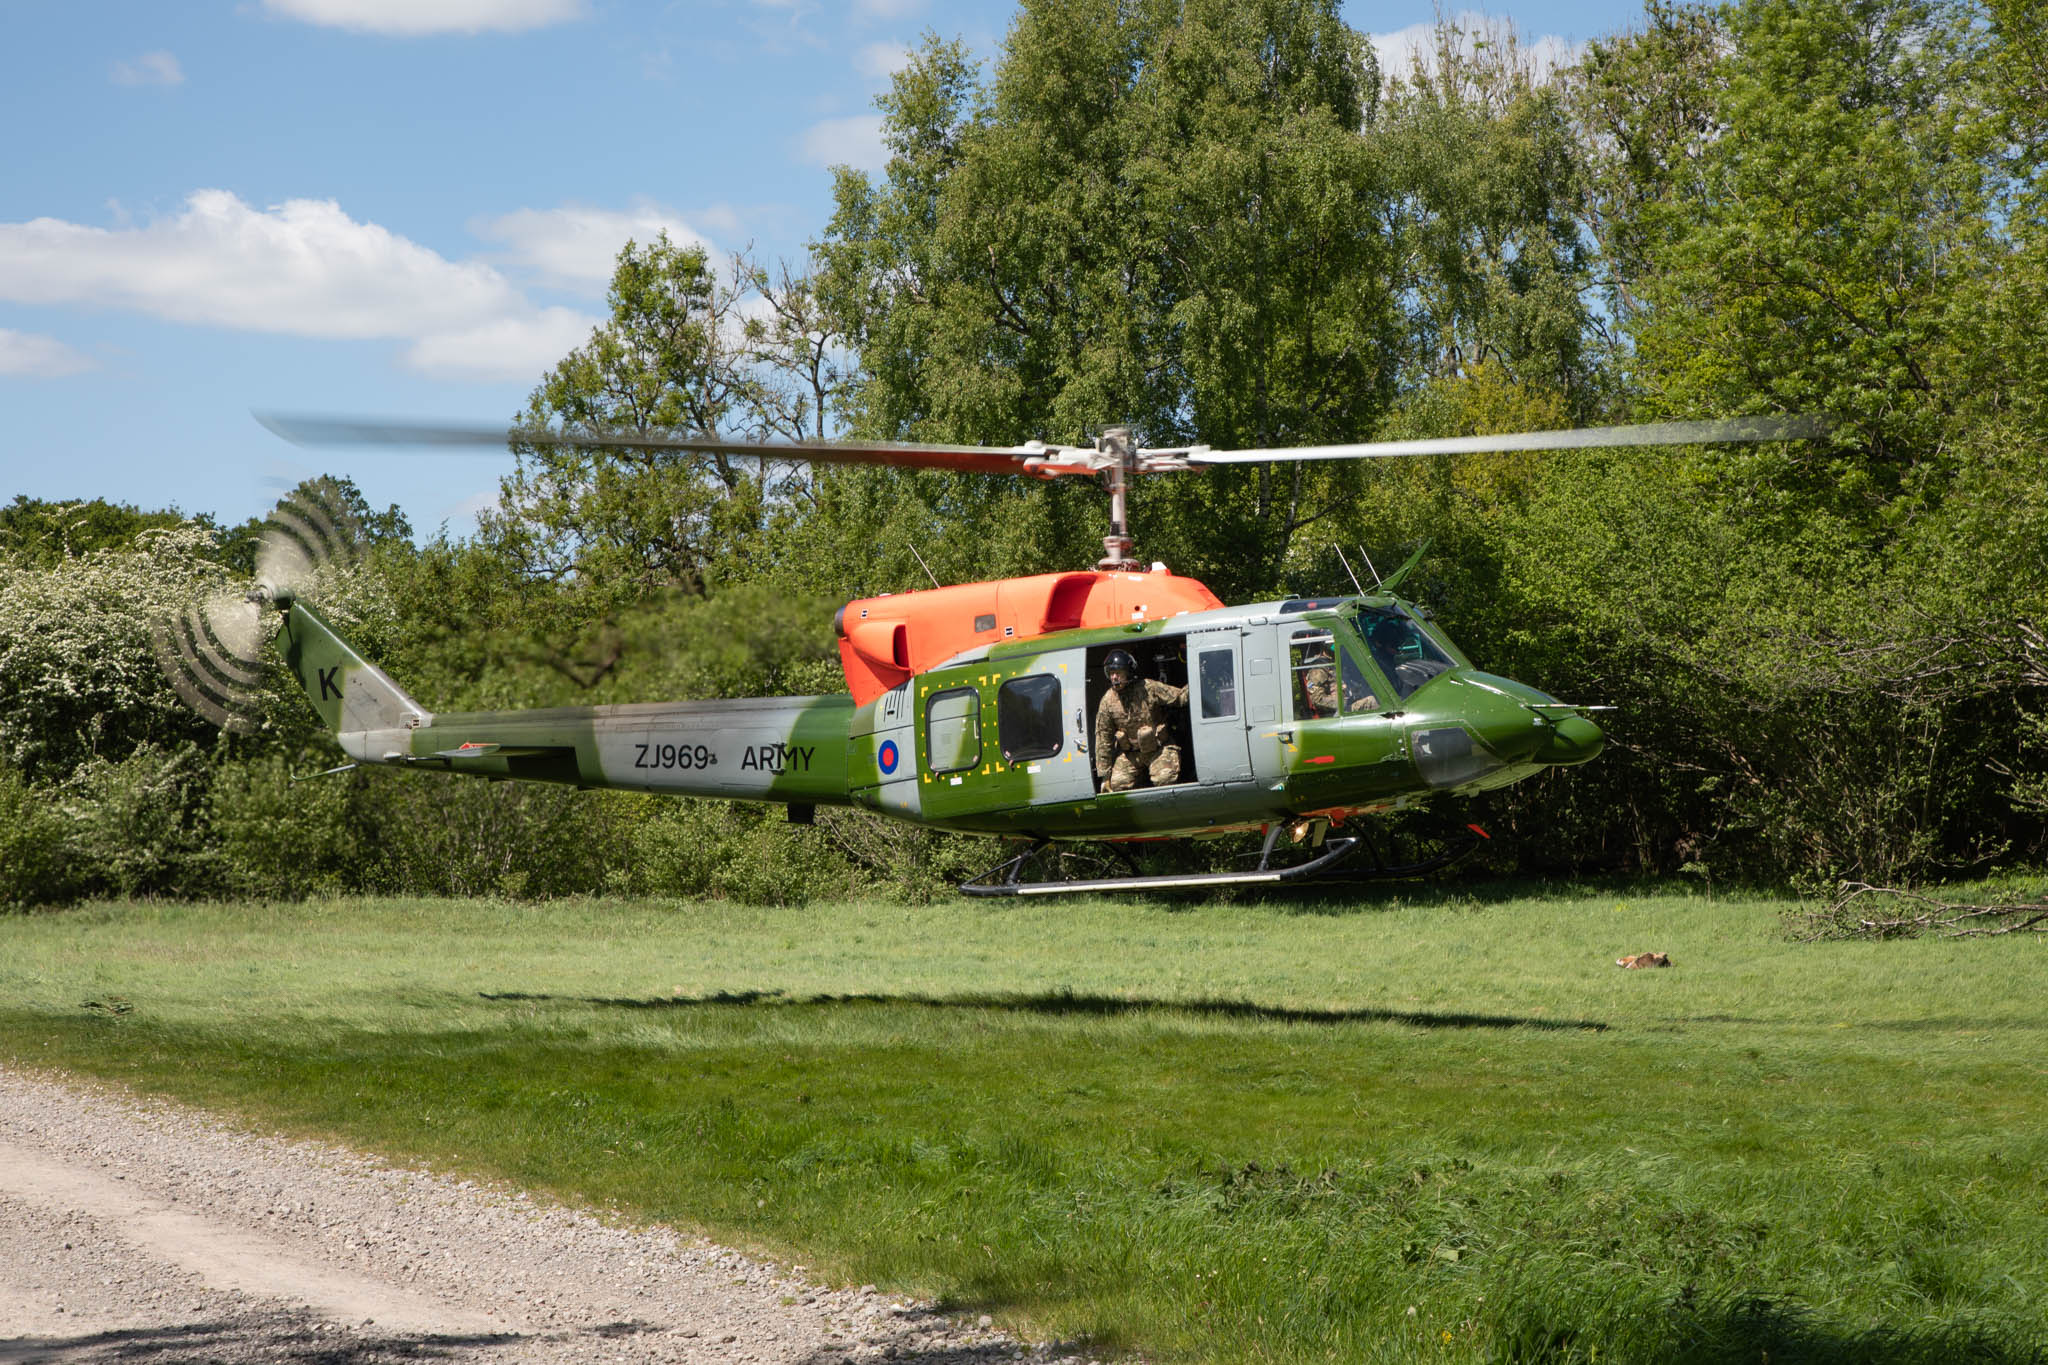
(483, 500)
(854, 141)
(304, 268)
(576, 246)
(511, 348)
(151, 68)
(879, 61)
(38, 357)
(412, 18)
(1400, 50)
(887, 9)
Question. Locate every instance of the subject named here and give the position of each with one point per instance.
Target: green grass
(1443, 1127)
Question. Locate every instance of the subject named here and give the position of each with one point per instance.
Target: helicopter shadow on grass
(1061, 1004)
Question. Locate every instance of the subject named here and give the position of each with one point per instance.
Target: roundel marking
(888, 755)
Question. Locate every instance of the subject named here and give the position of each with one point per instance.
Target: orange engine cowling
(885, 640)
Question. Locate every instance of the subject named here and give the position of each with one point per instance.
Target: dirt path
(144, 1233)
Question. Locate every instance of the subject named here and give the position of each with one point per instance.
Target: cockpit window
(1404, 653)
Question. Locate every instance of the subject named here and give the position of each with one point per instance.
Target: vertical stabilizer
(369, 714)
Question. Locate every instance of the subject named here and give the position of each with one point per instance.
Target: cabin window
(1217, 670)
(1327, 680)
(1312, 668)
(952, 730)
(1028, 717)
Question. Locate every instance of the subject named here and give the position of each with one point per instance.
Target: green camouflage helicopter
(973, 708)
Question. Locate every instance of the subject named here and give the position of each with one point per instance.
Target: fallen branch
(1855, 912)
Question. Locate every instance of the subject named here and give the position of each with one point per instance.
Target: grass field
(1432, 1126)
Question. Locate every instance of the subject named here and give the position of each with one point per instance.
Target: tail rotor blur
(212, 652)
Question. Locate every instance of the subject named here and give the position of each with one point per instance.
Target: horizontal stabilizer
(475, 750)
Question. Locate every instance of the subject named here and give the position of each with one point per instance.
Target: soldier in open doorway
(1133, 728)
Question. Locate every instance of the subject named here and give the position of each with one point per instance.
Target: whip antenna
(1368, 566)
(1347, 570)
(926, 567)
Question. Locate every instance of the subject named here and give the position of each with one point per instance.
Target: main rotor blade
(1733, 429)
(1033, 458)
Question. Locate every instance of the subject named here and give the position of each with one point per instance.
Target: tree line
(1223, 222)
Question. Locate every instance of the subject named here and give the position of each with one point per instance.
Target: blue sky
(406, 207)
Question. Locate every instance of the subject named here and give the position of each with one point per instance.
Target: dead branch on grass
(1860, 910)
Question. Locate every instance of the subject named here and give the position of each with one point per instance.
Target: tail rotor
(212, 652)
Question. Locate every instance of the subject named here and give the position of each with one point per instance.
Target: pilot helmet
(1120, 659)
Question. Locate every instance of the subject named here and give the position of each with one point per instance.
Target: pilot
(1399, 652)
(1133, 730)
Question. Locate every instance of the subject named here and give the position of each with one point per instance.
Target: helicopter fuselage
(1293, 709)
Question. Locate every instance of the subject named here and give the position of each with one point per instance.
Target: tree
(1820, 262)
(35, 533)
(1647, 106)
(1487, 218)
(679, 353)
(1160, 213)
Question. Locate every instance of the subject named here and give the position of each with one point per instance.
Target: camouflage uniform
(1319, 684)
(1131, 733)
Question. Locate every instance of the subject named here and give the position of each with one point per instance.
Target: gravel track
(144, 1233)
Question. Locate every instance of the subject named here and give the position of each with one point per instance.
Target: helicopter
(973, 707)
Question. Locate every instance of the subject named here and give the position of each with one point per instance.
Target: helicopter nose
(1572, 739)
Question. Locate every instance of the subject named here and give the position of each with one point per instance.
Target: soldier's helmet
(1120, 659)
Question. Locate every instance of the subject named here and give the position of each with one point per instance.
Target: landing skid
(1006, 879)
(1331, 863)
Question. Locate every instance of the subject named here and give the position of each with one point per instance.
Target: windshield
(1404, 653)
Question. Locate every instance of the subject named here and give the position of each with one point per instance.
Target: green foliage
(729, 850)
(683, 351)
(1489, 218)
(1839, 218)
(447, 836)
(36, 533)
(283, 839)
(79, 677)
(34, 868)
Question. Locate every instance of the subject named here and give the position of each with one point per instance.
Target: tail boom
(788, 749)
